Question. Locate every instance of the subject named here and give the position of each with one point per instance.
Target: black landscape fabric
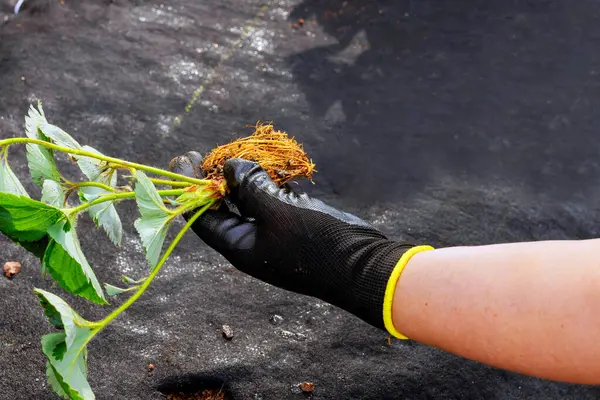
(444, 122)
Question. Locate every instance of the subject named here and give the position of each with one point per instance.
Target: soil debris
(275, 319)
(281, 156)
(292, 335)
(307, 387)
(151, 367)
(208, 394)
(11, 269)
(227, 332)
(298, 24)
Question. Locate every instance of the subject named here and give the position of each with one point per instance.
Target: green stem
(94, 184)
(156, 269)
(118, 196)
(169, 183)
(125, 164)
(110, 197)
(171, 192)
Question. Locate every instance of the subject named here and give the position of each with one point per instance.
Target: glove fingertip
(196, 159)
(214, 228)
(250, 185)
(187, 164)
(236, 170)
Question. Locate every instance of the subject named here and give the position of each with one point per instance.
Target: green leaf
(9, 183)
(108, 177)
(25, 220)
(61, 315)
(54, 316)
(67, 373)
(94, 168)
(196, 198)
(104, 214)
(149, 201)
(155, 218)
(53, 194)
(153, 232)
(131, 281)
(172, 202)
(66, 351)
(39, 158)
(59, 137)
(55, 381)
(67, 264)
(197, 194)
(114, 290)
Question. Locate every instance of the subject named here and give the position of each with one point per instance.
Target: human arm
(525, 307)
(531, 307)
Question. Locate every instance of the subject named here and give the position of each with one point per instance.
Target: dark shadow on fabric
(444, 377)
(474, 91)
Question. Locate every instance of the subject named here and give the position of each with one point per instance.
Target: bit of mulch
(208, 394)
(11, 269)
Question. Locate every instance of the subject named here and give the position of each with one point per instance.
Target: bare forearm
(532, 308)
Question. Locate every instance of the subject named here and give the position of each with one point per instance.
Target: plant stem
(94, 184)
(156, 269)
(171, 192)
(118, 196)
(169, 183)
(110, 197)
(125, 164)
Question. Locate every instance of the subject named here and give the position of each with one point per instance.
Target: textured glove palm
(296, 242)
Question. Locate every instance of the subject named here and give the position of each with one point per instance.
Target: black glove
(300, 244)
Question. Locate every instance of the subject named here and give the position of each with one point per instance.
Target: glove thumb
(252, 190)
(222, 230)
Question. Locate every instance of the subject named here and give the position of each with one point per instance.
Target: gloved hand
(300, 244)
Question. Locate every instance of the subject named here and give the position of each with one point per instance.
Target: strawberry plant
(48, 227)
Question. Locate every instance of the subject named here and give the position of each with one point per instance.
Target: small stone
(11, 269)
(227, 332)
(151, 367)
(292, 335)
(307, 387)
(295, 388)
(275, 319)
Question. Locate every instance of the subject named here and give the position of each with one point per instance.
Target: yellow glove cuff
(391, 289)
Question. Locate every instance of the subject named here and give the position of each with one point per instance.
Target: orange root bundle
(281, 156)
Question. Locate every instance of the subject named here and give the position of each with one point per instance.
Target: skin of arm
(531, 308)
